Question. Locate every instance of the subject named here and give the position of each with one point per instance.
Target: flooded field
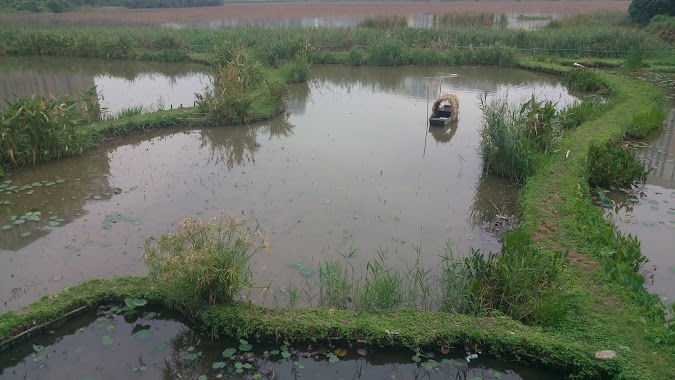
(351, 167)
(156, 345)
(302, 14)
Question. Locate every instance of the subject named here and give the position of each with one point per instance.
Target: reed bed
(384, 22)
(470, 19)
(268, 45)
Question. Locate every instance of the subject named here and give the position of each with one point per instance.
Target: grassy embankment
(606, 312)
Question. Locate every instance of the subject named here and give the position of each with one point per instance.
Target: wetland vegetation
(566, 284)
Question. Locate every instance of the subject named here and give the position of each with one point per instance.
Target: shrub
(58, 6)
(641, 11)
(204, 262)
(608, 165)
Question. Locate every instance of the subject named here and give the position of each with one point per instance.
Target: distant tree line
(59, 6)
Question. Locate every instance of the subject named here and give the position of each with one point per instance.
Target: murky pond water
(110, 346)
(648, 212)
(350, 166)
(123, 84)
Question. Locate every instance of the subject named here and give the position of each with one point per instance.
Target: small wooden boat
(445, 110)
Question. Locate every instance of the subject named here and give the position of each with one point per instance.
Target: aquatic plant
(610, 165)
(383, 285)
(204, 262)
(230, 96)
(578, 112)
(384, 22)
(36, 129)
(469, 19)
(641, 123)
(296, 70)
(584, 80)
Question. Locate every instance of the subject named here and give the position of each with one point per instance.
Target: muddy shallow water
(160, 346)
(648, 212)
(350, 166)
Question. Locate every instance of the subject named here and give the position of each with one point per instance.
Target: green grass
(384, 22)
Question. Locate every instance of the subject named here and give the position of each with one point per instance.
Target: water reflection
(346, 167)
(159, 344)
(131, 83)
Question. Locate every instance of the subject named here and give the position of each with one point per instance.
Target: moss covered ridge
(496, 334)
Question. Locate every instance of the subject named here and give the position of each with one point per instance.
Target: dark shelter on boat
(445, 110)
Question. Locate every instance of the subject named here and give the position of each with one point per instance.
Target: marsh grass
(643, 122)
(609, 165)
(511, 137)
(383, 285)
(36, 129)
(384, 22)
(204, 262)
(578, 112)
(593, 19)
(469, 19)
(296, 70)
(634, 60)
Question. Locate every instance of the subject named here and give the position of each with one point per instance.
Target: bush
(28, 6)
(608, 165)
(204, 262)
(642, 11)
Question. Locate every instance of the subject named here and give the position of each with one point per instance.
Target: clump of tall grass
(336, 284)
(385, 22)
(585, 80)
(383, 286)
(469, 19)
(519, 281)
(296, 70)
(643, 122)
(512, 137)
(387, 53)
(577, 113)
(204, 262)
(613, 18)
(128, 112)
(609, 165)
(230, 96)
(37, 129)
(634, 60)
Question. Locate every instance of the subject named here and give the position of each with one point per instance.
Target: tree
(641, 11)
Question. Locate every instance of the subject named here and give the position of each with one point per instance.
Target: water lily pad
(159, 347)
(648, 223)
(30, 192)
(229, 352)
(107, 226)
(202, 377)
(38, 348)
(50, 183)
(244, 345)
(26, 234)
(53, 223)
(653, 201)
(191, 356)
(107, 341)
(285, 354)
(60, 180)
(143, 334)
(7, 227)
(97, 197)
(20, 221)
(218, 365)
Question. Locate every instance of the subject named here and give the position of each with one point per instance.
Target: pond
(151, 85)
(158, 345)
(350, 169)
